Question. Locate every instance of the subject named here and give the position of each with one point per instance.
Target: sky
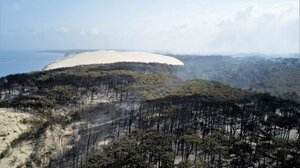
(175, 26)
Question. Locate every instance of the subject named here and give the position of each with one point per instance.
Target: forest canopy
(153, 118)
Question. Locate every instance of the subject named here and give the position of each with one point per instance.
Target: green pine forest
(156, 115)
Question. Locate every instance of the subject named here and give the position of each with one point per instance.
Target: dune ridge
(111, 56)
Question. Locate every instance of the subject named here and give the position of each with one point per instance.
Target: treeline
(56, 88)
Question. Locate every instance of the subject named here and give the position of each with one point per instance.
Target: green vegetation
(211, 90)
(42, 91)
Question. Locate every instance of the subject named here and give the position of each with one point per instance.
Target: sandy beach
(108, 57)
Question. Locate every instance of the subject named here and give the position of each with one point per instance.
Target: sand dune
(107, 57)
(11, 127)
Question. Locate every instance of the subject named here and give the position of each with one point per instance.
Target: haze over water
(21, 61)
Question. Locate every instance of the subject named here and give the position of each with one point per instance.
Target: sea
(23, 61)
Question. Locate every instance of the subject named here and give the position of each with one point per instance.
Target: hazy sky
(178, 26)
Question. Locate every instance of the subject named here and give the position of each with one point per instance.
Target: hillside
(143, 115)
(278, 76)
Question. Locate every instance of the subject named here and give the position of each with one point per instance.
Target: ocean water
(21, 61)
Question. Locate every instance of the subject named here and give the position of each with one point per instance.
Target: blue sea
(21, 61)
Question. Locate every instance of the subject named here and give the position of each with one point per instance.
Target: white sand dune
(107, 57)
